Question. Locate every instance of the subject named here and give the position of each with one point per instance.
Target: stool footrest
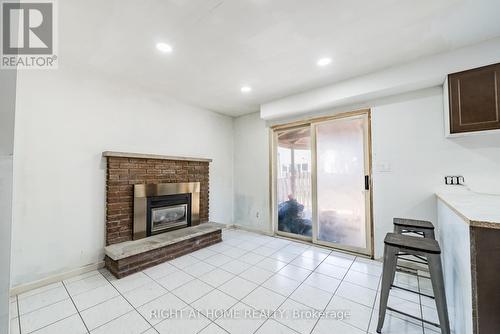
(411, 260)
(399, 270)
(410, 290)
(414, 317)
(422, 258)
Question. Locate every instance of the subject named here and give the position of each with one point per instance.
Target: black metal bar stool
(423, 247)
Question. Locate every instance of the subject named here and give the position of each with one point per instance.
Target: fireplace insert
(167, 213)
(163, 207)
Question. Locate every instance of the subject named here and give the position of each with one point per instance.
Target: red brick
(123, 173)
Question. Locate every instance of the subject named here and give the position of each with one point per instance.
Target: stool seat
(418, 244)
(405, 222)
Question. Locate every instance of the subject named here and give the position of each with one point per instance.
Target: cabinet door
(475, 99)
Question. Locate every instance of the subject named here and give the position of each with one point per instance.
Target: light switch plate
(383, 167)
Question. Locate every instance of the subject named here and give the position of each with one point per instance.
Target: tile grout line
(102, 302)
(55, 287)
(133, 307)
(217, 288)
(98, 272)
(42, 307)
(240, 300)
(58, 301)
(236, 275)
(90, 290)
(274, 273)
(198, 278)
(168, 291)
(190, 304)
(420, 304)
(311, 271)
(18, 314)
(37, 293)
(333, 295)
(54, 322)
(261, 284)
(414, 322)
(76, 308)
(373, 304)
(251, 265)
(277, 272)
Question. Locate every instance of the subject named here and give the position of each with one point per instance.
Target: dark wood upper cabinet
(474, 99)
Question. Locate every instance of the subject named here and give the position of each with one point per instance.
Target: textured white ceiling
(272, 45)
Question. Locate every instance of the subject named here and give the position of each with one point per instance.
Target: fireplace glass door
(167, 213)
(169, 217)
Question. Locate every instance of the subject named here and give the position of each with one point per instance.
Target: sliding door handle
(367, 182)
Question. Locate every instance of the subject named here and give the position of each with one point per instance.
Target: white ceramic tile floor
(264, 300)
(217, 277)
(175, 280)
(271, 264)
(72, 324)
(40, 318)
(211, 304)
(150, 310)
(249, 283)
(161, 270)
(297, 316)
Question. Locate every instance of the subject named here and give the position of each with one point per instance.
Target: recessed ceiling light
(164, 47)
(246, 89)
(324, 61)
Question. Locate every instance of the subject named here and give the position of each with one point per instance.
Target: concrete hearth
(128, 257)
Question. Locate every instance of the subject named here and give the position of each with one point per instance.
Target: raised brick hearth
(126, 169)
(132, 256)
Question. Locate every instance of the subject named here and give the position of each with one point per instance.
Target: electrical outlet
(454, 180)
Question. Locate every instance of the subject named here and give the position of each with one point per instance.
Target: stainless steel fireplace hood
(143, 191)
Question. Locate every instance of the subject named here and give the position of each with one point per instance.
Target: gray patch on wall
(251, 211)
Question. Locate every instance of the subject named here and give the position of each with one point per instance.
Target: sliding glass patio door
(342, 184)
(322, 182)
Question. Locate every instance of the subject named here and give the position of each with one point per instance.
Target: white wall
(251, 172)
(7, 112)
(64, 122)
(407, 135)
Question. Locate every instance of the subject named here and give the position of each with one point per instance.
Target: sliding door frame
(312, 123)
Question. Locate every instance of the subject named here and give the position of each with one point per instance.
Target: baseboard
(54, 278)
(221, 225)
(250, 229)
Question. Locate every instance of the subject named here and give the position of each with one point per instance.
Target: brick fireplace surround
(126, 169)
(125, 256)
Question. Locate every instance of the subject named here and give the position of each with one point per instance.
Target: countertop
(477, 209)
